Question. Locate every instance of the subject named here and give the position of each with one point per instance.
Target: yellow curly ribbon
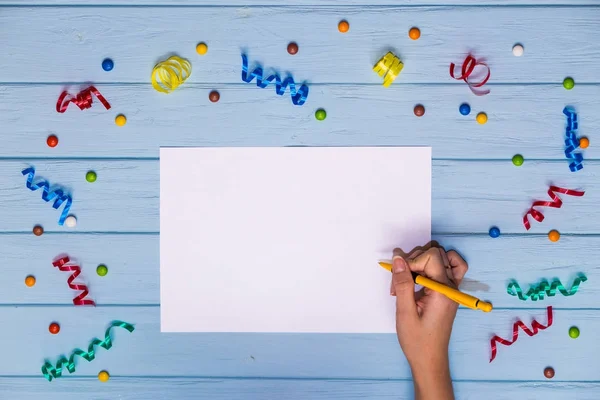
(169, 74)
(388, 67)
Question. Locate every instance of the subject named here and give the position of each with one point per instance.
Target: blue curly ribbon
(50, 371)
(537, 292)
(571, 141)
(58, 195)
(298, 96)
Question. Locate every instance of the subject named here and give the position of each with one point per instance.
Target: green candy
(91, 176)
(320, 114)
(569, 83)
(102, 270)
(574, 332)
(517, 160)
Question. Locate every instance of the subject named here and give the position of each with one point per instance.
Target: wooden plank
(315, 3)
(147, 352)
(133, 264)
(145, 36)
(268, 389)
(467, 197)
(357, 116)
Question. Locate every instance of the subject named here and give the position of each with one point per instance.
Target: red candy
(54, 328)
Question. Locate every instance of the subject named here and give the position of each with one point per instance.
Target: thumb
(403, 287)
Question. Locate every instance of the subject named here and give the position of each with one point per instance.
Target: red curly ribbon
(467, 69)
(535, 328)
(82, 100)
(555, 203)
(63, 265)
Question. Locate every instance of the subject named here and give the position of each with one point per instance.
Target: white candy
(71, 221)
(518, 50)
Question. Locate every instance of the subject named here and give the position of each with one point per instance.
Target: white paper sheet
(287, 239)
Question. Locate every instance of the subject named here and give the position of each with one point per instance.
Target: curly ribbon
(388, 67)
(168, 75)
(298, 96)
(82, 100)
(555, 203)
(48, 195)
(50, 371)
(535, 328)
(63, 265)
(537, 292)
(467, 69)
(571, 141)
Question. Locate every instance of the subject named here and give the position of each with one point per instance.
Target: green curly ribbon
(537, 292)
(50, 371)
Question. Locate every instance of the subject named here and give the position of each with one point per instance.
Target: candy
(494, 232)
(464, 109)
(71, 221)
(517, 160)
(54, 328)
(584, 142)
(38, 230)
(553, 235)
(481, 118)
(108, 64)
(103, 376)
(518, 50)
(120, 120)
(52, 141)
(30, 281)
(414, 33)
(388, 67)
(201, 48)
(320, 114)
(292, 48)
(549, 372)
(102, 270)
(569, 83)
(343, 26)
(419, 110)
(574, 332)
(214, 96)
(91, 176)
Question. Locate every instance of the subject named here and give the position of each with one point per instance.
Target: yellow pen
(453, 294)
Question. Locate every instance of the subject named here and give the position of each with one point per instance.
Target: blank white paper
(287, 239)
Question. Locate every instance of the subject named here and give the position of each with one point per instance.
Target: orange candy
(30, 281)
(343, 26)
(584, 142)
(553, 235)
(414, 33)
(54, 328)
(52, 141)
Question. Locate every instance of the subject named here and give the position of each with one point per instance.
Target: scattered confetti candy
(555, 203)
(481, 118)
(414, 33)
(71, 221)
(52, 141)
(57, 194)
(571, 141)
(388, 67)
(91, 176)
(64, 264)
(108, 64)
(50, 371)
(30, 281)
(494, 232)
(517, 160)
(574, 332)
(464, 109)
(535, 328)
(537, 292)
(103, 376)
(569, 83)
(168, 75)
(298, 96)
(54, 328)
(120, 120)
(292, 48)
(468, 68)
(518, 50)
(83, 99)
(320, 114)
(549, 372)
(214, 96)
(343, 26)
(201, 48)
(102, 270)
(553, 235)
(419, 110)
(38, 230)
(584, 143)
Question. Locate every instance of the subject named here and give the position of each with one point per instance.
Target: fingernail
(398, 264)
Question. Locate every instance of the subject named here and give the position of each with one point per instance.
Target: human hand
(424, 319)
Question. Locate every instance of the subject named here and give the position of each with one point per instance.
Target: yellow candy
(103, 376)
(388, 67)
(481, 118)
(168, 75)
(201, 48)
(120, 120)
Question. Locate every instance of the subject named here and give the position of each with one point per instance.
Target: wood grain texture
(148, 352)
(81, 37)
(125, 196)
(270, 389)
(339, 4)
(133, 263)
(356, 116)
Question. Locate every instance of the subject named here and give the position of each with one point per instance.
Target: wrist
(432, 379)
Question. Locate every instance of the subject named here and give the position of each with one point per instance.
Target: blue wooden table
(47, 46)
